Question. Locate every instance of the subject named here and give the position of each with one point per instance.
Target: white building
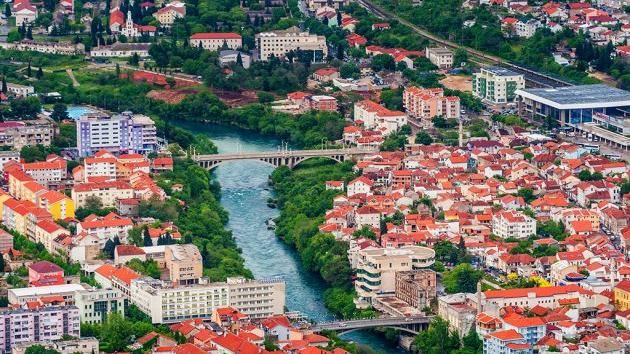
(85, 345)
(279, 43)
(121, 50)
(95, 304)
(216, 41)
(374, 116)
(166, 303)
(20, 90)
(527, 29)
(25, 13)
(20, 296)
(496, 84)
(227, 57)
(512, 223)
(440, 57)
(125, 132)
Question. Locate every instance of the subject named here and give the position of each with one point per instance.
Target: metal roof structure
(578, 97)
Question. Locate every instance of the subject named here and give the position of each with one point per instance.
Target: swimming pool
(75, 112)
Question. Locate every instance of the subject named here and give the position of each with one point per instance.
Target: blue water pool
(74, 112)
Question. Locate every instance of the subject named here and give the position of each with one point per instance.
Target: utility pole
(461, 133)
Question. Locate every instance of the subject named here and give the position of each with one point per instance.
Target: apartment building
(416, 287)
(377, 268)
(97, 230)
(46, 231)
(506, 341)
(84, 345)
(374, 116)
(527, 29)
(19, 134)
(108, 192)
(216, 41)
(57, 204)
(512, 223)
(279, 43)
(460, 310)
(121, 133)
(184, 263)
(6, 241)
(95, 304)
(49, 172)
(121, 50)
(168, 303)
(19, 326)
(440, 57)
(497, 85)
(428, 103)
(6, 156)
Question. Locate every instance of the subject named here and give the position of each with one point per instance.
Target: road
(534, 78)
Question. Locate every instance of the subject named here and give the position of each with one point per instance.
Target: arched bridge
(284, 157)
(411, 324)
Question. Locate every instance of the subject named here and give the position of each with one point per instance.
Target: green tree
(147, 238)
(39, 74)
(40, 349)
(59, 112)
(7, 11)
(527, 194)
(116, 332)
(383, 62)
(349, 70)
(438, 339)
(463, 278)
(423, 138)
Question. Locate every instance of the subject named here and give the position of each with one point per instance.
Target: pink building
(45, 273)
(427, 103)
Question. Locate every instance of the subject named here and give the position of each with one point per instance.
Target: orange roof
(506, 335)
(106, 270)
(124, 274)
(538, 292)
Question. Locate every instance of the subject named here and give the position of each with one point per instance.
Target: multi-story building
(97, 230)
(259, 298)
(49, 172)
(121, 50)
(108, 192)
(57, 204)
(46, 231)
(496, 84)
(24, 12)
(167, 15)
(527, 29)
(377, 268)
(216, 41)
(440, 57)
(6, 241)
(84, 345)
(95, 304)
(506, 341)
(20, 296)
(6, 156)
(35, 325)
(416, 287)
(373, 115)
(622, 295)
(459, 310)
(531, 328)
(183, 263)
(64, 48)
(168, 303)
(20, 90)
(19, 134)
(512, 223)
(45, 273)
(121, 133)
(279, 43)
(428, 103)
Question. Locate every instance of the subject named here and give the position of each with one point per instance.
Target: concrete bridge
(411, 324)
(283, 157)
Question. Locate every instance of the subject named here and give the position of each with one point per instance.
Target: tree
(438, 339)
(423, 138)
(93, 203)
(109, 249)
(40, 349)
(134, 59)
(239, 59)
(40, 73)
(527, 194)
(383, 62)
(29, 33)
(4, 84)
(29, 72)
(460, 57)
(25, 108)
(349, 71)
(7, 11)
(116, 331)
(146, 241)
(2, 265)
(462, 279)
(471, 340)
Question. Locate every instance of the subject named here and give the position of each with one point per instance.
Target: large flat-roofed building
(440, 56)
(166, 302)
(21, 296)
(86, 345)
(183, 263)
(279, 43)
(574, 104)
(496, 84)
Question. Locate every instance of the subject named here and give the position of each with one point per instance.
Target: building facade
(428, 103)
(121, 133)
(279, 43)
(183, 263)
(416, 287)
(216, 41)
(95, 304)
(440, 57)
(512, 223)
(497, 85)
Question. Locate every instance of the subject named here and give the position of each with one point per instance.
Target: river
(244, 195)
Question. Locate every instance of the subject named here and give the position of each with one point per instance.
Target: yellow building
(17, 180)
(622, 295)
(31, 190)
(4, 196)
(58, 205)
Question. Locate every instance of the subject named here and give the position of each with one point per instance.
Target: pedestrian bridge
(411, 324)
(283, 157)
